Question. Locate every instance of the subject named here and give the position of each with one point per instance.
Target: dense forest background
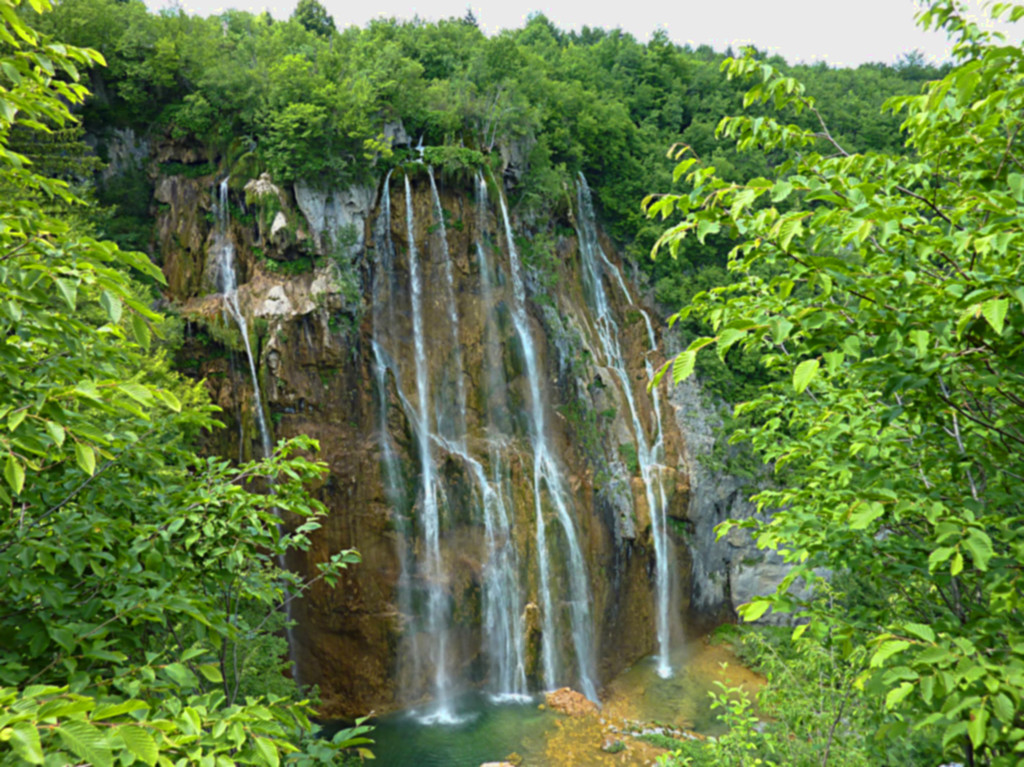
(304, 100)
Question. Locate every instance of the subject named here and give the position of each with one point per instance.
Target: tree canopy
(139, 583)
(884, 290)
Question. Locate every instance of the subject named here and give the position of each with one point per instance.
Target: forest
(834, 253)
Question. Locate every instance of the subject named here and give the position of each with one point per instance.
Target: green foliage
(198, 170)
(314, 17)
(138, 580)
(454, 160)
(811, 710)
(536, 103)
(883, 290)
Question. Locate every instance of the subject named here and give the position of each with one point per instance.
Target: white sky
(839, 32)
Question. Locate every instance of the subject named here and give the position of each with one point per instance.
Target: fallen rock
(568, 701)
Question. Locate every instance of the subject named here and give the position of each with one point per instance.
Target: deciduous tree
(889, 288)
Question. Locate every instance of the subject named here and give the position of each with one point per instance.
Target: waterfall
(228, 284)
(430, 517)
(502, 601)
(383, 308)
(455, 426)
(649, 455)
(448, 456)
(547, 475)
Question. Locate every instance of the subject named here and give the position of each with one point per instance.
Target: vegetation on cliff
(139, 585)
(885, 289)
(306, 101)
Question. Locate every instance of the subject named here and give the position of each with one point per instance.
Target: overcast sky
(839, 32)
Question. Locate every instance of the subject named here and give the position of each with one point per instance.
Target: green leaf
(957, 565)
(897, 694)
(111, 305)
(939, 556)
(755, 609)
(25, 742)
(140, 743)
(866, 514)
(920, 630)
(211, 672)
(976, 727)
(111, 710)
(85, 741)
(15, 419)
(979, 545)
(683, 366)
(14, 473)
(781, 191)
(727, 338)
(170, 399)
(180, 674)
(1004, 708)
(887, 649)
(56, 432)
(268, 751)
(995, 313)
(137, 392)
(804, 374)
(140, 329)
(68, 291)
(85, 457)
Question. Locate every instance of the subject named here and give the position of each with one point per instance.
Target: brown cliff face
(335, 347)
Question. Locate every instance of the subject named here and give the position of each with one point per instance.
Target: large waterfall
(478, 403)
(433, 401)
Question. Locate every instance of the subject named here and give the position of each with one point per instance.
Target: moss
(197, 170)
(627, 452)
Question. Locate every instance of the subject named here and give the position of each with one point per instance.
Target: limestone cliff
(326, 286)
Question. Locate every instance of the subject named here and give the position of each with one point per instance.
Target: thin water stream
(649, 453)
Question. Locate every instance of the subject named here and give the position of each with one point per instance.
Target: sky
(838, 32)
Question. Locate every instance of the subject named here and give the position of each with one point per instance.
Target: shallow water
(489, 731)
(485, 731)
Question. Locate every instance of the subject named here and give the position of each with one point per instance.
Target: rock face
(392, 324)
(730, 572)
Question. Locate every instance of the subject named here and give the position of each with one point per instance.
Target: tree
(314, 17)
(888, 288)
(134, 575)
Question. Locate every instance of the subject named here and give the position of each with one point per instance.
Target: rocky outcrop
(728, 572)
(567, 701)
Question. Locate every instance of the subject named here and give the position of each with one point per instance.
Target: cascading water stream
(228, 284)
(546, 474)
(502, 601)
(648, 454)
(455, 425)
(430, 517)
(383, 307)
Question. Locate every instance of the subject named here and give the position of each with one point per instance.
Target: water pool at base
(489, 731)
